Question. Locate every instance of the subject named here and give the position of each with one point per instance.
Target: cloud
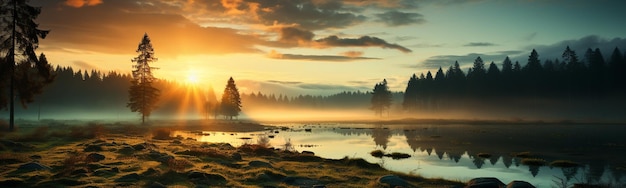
(284, 82)
(479, 44)
(276, 55)
(555, 50)
(116, 27)
(295, 35)
(293, 88)
(445, 61)
(84, 65)
(352, 54)
(397, 18)
(364, 41)
(307, 14)
(81, 3)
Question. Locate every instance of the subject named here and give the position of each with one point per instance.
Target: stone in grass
(13, 182)
(392, 181)
(95, 157)
(32, 166)
(133, 177)
(300, 181)
(205, 178)
(519, 184)
(236, 156)
(259, 164)
(93, 148)
(485, 182)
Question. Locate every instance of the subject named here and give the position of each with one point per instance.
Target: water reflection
(466, 151)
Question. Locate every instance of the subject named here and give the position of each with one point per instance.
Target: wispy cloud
(479, 44)
(335, 58)
(81, 3)
(397, 18)
(364, 41)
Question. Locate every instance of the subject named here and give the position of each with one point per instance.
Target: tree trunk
(12, 71)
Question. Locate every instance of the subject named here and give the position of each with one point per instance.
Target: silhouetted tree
(143, 96)
(533, 67)
(19, 39)
(410, 94)
(231, 101)
(381, 97)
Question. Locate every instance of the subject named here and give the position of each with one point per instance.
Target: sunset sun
(192, 78)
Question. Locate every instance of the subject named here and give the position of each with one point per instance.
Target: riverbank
(146, 156)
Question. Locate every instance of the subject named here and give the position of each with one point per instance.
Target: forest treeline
(591, 85)
(101, 93)
(588, 83)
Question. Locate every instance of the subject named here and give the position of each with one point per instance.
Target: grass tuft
(377, 153)
(161, 134)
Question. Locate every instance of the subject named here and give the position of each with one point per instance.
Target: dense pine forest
(591, 86)
(588, 88)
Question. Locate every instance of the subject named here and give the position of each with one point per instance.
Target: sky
(320, 46)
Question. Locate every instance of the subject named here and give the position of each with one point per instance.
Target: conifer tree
(143, 96)
(25, 73)
(410, 94)
(533, 67)
(381, 98)
(231, 101)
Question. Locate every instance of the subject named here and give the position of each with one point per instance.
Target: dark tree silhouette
(231, 101)
(533, 67)
(410, 94)
(381, 97)
(143, 96)
(19, 38)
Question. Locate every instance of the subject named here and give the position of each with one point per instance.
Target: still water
(459, 152)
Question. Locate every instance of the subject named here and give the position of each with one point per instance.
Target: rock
(11, 183)
(236, 156)
(127, 150)
(79, 171)
(205, 178)
(63, 181)
(33, 166)
(259, 164)
(157, 185)
(95, 157)
(133, 177)
(308, 153)
(35, 157)
(93, 148)
(139, 147)
(150, 172)
(393, 181)
(300, 181)
(519, 184)
(485, 182)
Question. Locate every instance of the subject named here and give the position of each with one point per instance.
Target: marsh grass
(162, 134)
(179, 165)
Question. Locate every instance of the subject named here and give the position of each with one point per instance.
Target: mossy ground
(143, 156)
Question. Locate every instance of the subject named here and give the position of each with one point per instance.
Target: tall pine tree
(231, 101)
(143, 97)
(381, 98)
(21, 67)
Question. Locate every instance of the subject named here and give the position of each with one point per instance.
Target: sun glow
(192, 78)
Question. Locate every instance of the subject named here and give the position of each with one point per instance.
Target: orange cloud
(81, 3)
